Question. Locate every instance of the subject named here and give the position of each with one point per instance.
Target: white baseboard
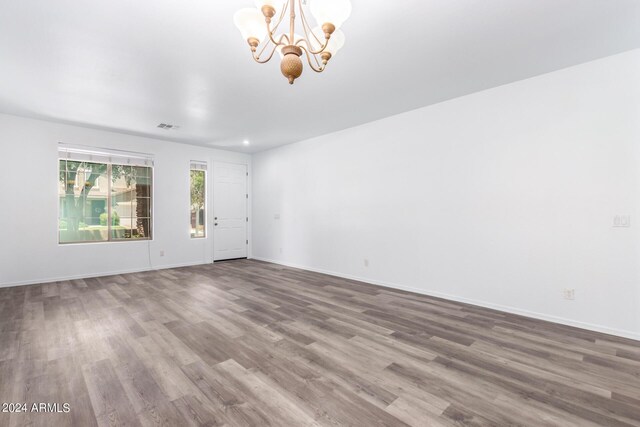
(102, 274)
(508, 309)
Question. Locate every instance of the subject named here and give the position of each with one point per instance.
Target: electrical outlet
(161, 253)
(569, 294)
(276, 216)
(281, 251)
(622, 221)
(366, 262)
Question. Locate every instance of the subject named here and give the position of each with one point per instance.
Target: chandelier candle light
(259, 26)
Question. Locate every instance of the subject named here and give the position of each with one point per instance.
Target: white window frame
(109, 157)
(196, 165)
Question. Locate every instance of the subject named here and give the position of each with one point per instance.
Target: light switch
(622, 221)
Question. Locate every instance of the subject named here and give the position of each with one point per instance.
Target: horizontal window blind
(102, 155)
(197, 165)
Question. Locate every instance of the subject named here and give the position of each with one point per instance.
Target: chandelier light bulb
(333, 11)
(251, 24)
(335, 42)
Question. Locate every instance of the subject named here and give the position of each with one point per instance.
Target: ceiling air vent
(168, 126)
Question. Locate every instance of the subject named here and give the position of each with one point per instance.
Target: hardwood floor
(250, 343)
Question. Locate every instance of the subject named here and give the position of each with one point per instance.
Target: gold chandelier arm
(306, 26)
(315, 58)
(270, 31)
(315, 52)
(254, 42)
(306, 40)
(317, 70)
(275, 47)
(256, 57)
(307, 29)
(262, 61)
(282, 14)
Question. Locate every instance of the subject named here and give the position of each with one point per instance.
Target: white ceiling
(128, 65)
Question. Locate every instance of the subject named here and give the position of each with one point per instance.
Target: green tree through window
(104, 202)
(198, 200)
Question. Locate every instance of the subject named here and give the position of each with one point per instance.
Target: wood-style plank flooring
(247, 343)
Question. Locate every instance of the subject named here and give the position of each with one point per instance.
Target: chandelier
(265, 30)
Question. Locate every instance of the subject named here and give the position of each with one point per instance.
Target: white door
(229, 211)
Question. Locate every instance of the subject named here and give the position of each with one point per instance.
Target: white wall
(502, 198)
(29, 250)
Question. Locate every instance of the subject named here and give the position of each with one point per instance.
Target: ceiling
(127, 65)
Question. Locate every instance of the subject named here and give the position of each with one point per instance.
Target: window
(198, 184)
(103, 199)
